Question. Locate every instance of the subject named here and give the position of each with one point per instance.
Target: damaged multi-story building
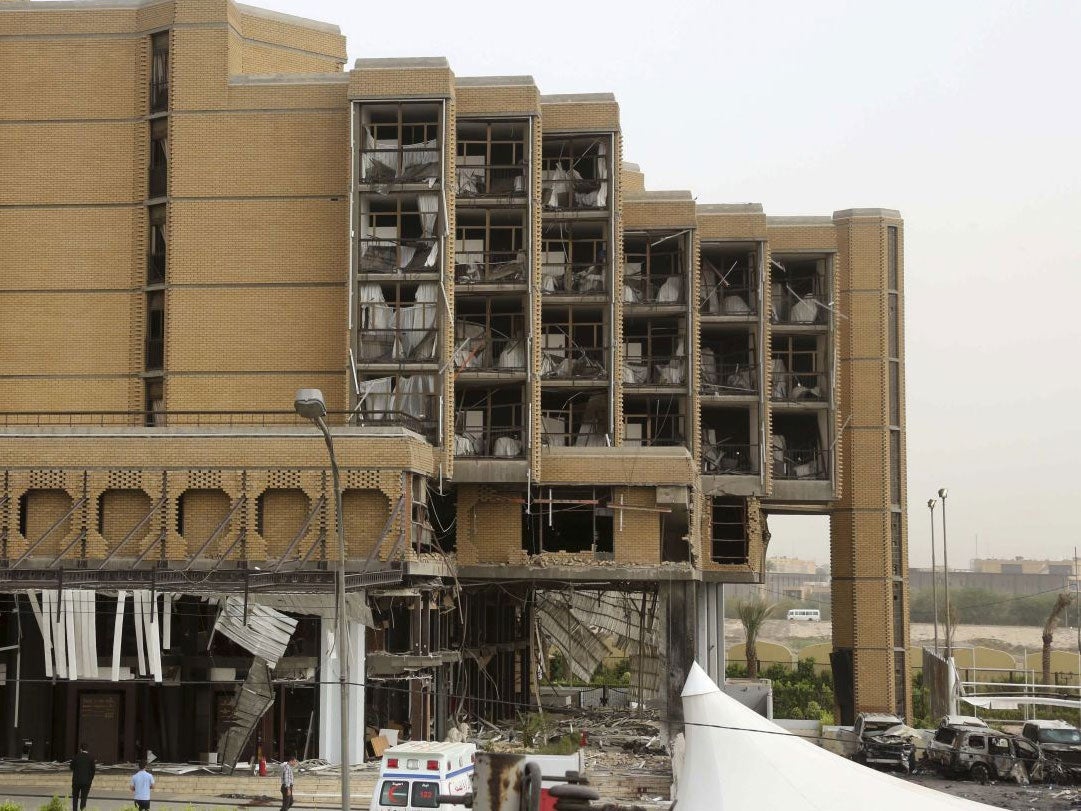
(563, 405)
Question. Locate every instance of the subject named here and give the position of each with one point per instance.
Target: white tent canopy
(737, 759)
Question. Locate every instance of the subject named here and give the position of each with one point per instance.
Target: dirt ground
(1006, 795)
(1014, 638)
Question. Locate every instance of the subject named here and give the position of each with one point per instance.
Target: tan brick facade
(257, 296)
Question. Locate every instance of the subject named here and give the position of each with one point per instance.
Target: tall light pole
(934, 571)
(309, 403)
(946, 577)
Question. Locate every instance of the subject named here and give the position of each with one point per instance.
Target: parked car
(879, 742)
(984, 754)
(1057, 740)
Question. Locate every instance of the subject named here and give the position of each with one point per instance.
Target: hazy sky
(963, 115)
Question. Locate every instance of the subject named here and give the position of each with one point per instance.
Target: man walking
(287, 782)
(82, 775)
(141, 783)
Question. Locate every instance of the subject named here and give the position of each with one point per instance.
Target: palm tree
(1060, 605)
(752, 613)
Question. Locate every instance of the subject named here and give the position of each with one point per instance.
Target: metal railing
(587, 435)
(794, 387)
(719, 379)
(398, 345)
(655, 439)
(419, 255)
(497, 443)
(401, 411)
(800, 463)
(729, 459)
(159, 180)
(574, 279)
(654, 290)
(138, 419)
(159, 95)
(400, 164)
(489, 267)
(574, 363)
(655, 370)
(155, 267)
(718, 300)
(483, 180)
(155, 353)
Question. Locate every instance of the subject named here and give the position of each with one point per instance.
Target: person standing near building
(141, 784)
(287, 782)
(82, 775)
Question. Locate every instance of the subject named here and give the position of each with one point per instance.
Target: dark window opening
(575, 173)
(159, 158)
(798, 450)
(155, 330)
(727, 445)
(574, 259)
(159, 72)
(895, 543)
(895, 467)
(156, 245)
(569, 519)
(492, 158)
(443, 513)
(729, 531)
(654, 421)
(654, 268)
(490, 422)
(574, 418)
(489, 247)
(729, 363)
(799, 290)
(895, 393)
(729, 280)
(892, 258)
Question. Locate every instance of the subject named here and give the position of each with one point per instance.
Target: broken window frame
(573, 408)
(407, 138)
(583, 349)
(729, 270)
(662, 361)
(491, 178)
(397, 224)
(490, 265)
(793, 282)
(661, 259)
(382, 401)
(501, 421)
(728, 371)
(398, 332)
(662, 419)
(725, 515)
(798, 369)
(729, 451)
(588, 157)
(486, 351)
(800, 459)
(157, 244)
(159, 72)
(585, 267)
(155, 330)
(549, 503)
(158, 183)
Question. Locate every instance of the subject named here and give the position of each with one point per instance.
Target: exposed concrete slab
(491, 471)
(850, 213)
(494, 81)
(729, 208)
(799, 220)
(732, 486)
(607, 573)
(821, 491)
(577, 98)
(401, 63)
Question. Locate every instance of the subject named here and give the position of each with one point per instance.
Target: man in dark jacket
(82, 775)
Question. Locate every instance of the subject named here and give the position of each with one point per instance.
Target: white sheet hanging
(469, 344)
(414, 395)
(507, 447)
(513, 355)
(671, 291)
(805, 311)
(417, 323)
(375, 398)
(780, 380)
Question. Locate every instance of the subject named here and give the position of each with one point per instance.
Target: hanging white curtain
(414, 395)
(418, 323)
(375, 398)
(428, 205)
(602, 173)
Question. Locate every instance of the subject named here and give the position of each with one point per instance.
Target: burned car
(1058, 741)
(984, 754)
(880, 742)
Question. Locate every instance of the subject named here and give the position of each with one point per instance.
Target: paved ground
(31, 800)
(1006, 795)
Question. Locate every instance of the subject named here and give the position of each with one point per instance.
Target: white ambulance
(412, 775)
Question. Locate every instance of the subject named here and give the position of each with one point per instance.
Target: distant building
(1022, 565)
(791, 565)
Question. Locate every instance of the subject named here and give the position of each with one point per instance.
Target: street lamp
(934, 571)
(946, 577)
(309, 403)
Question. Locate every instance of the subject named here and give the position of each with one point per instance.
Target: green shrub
(10, 806)
(55, 804)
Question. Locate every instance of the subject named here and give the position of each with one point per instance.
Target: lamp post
(946, 577)
(309, 403)
(934, 571)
